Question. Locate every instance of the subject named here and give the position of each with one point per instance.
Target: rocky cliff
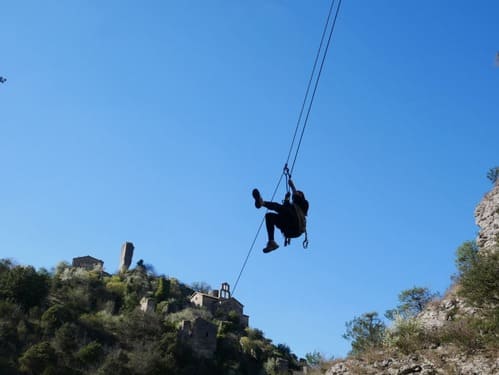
(487, 219)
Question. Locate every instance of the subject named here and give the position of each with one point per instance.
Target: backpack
(301, 225)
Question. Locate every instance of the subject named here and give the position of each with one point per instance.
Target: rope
(286, 172)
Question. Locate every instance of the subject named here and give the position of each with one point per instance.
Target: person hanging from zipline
(289, 217)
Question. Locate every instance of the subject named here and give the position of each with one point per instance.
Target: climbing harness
(287, 175)
(287, 172)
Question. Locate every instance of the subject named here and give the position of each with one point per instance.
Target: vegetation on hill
(476, 283)
(493, 174)
(73, 321)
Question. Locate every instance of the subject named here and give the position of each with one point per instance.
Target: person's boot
(271, 246)
(258, 198)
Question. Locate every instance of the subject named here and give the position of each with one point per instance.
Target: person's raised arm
(292, 186)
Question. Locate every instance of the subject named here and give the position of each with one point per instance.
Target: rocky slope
(439, 358)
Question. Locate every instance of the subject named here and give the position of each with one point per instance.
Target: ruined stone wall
(201, 335)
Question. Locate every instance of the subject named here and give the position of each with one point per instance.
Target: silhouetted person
(289, 217)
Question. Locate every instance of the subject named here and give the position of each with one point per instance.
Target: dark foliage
(78, 322)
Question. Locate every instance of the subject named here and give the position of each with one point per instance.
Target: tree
(5, 265)
(201, 286)
(56, 316)
(412, 302)
(23, 285)
(493, 174)
(315, 359)
(66, 338)
(90, 353)
(480, 282)
(466, 256)
(162, 290)
(365, 332)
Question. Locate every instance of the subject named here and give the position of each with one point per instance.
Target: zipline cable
(288, 172)
(254, 239)
(317, 55)
(316, 84)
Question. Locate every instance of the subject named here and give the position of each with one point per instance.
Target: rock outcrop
(487, 218)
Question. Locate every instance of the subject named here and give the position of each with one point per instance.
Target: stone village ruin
(199, 333)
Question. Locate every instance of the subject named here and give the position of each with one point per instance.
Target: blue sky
(151, 122)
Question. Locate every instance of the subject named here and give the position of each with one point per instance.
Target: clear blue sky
(151, 122)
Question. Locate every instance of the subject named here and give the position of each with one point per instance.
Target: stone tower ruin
(126, 256)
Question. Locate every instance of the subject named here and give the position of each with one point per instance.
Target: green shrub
(480, 283)
(24, 286)
(315, 359)
(115, 363)
(66, 338)
(461, 332)
(466, 255)
(189, 314)
(162, 290)
(116, 287)
(38, 358)
(406, 335)
(55, 316)
(412, 302)
(90, 353)
(365, 332)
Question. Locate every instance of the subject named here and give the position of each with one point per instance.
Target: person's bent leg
(271, 220)
(277, 207)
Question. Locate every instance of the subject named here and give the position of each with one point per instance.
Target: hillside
(455, 334)
(83, 321)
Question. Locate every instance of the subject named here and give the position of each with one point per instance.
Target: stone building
(126, 256)
(220, 302)
(87, 262)
(200, 335)
(147, 304)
